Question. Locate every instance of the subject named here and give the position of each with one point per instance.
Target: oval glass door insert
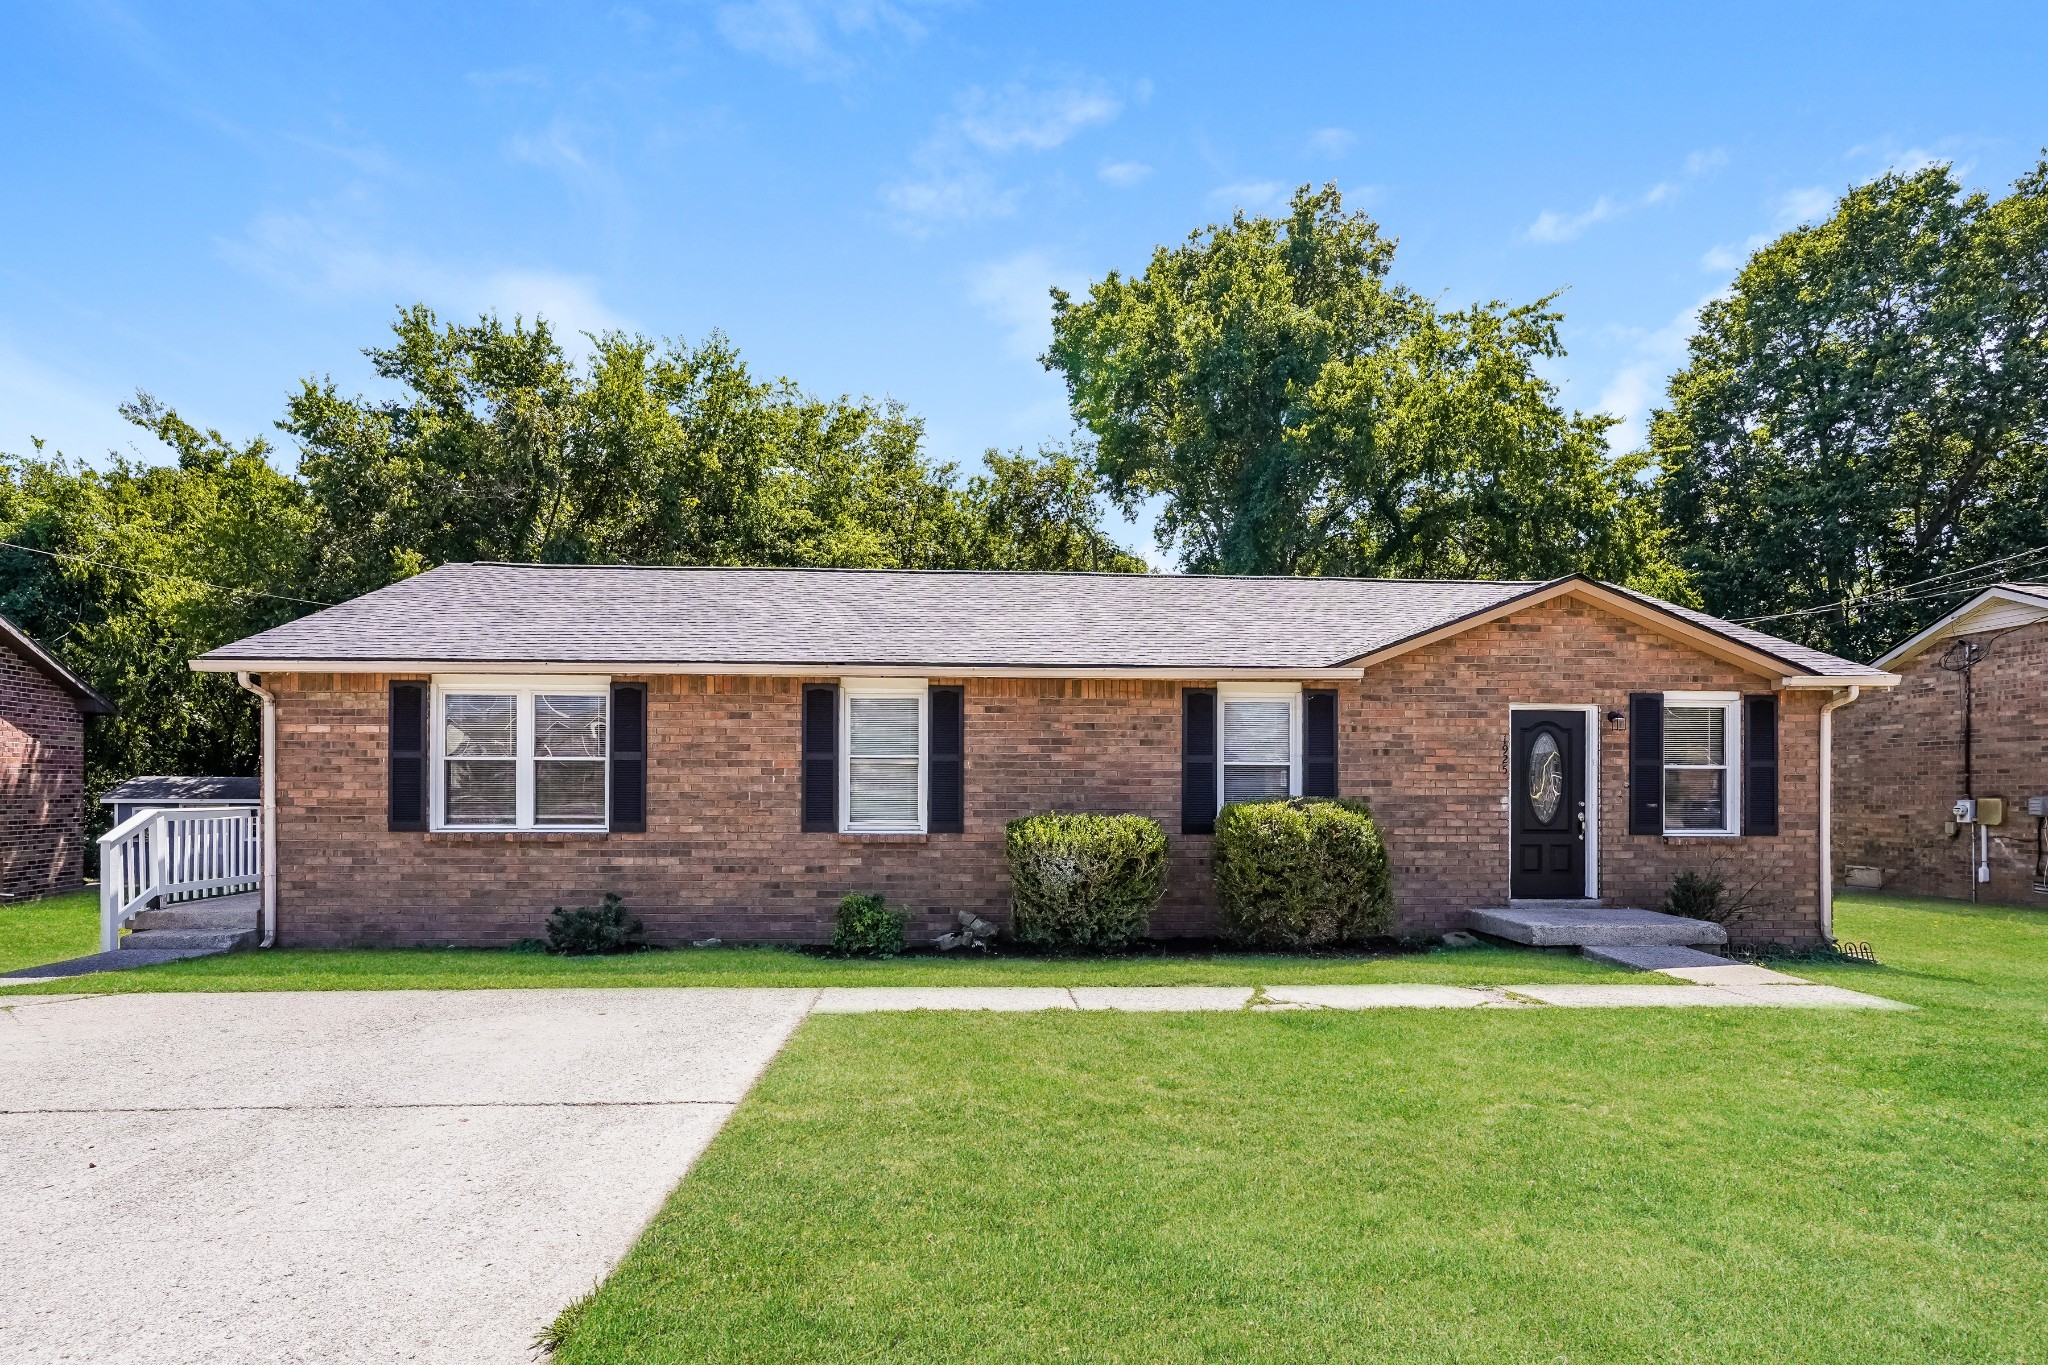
(1546, 777)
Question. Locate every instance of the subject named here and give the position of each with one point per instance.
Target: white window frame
(1290, 693)
(1731, 764)
(524, 689)
(849, 689)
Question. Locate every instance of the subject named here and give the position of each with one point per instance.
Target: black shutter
(407, 757)
(1319, 743)
(1198, 760)
(945, 766)
(629, 758)
(821, 759)
(1646, 763)
(1760, 764)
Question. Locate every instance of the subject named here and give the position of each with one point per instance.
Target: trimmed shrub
(867, 928)
(1697, 895)
(1301, 873)
(1083, 881)
(587, 932)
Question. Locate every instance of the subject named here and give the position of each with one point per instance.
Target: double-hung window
(1700, 732)
(882, 772)
(516, 754)
(1261, 743)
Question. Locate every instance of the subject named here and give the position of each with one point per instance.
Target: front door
(1549, 805)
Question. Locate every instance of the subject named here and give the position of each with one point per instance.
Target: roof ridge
(978, 573)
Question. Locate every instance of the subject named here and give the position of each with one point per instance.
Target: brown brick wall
(1899, 769)
(1421, 738)
(42, 783)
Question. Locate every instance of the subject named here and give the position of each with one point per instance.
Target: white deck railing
(160, 857)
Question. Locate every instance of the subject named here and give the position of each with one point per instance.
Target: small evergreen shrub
(866, 927)
(1697, 895)
(587, 932)
(1084, 881)
(1301, 873)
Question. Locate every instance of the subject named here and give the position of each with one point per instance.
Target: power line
(1892, 597)
(158, 573)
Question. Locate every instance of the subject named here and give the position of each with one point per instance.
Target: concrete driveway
(330, 1176)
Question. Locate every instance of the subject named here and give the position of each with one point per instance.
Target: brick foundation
(42, 783)
(1899, 770)
(1421, 738)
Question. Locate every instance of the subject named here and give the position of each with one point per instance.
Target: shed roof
(143, 791)
(818, 620)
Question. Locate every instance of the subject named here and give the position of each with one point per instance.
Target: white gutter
(269, 817)
(632, 669)
(1827, 808)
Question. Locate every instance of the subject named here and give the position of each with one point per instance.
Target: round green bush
(867, 927)
(1301, 874)
(1084, 881)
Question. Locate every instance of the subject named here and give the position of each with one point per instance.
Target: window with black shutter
(1198, 761)
(629, 758)
(1760, 764)
(1646, 763)
(820, 798)
(1318, 743)
(406, 751)
(946, 761)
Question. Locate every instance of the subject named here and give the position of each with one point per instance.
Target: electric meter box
(1990, 810)
(1964, 812)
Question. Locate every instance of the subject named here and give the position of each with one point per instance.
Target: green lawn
(473, 969)
(1398, 1185)
(50, 929)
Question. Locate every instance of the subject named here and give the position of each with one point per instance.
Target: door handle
(1582, 822)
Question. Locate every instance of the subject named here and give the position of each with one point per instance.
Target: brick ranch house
(731, 750)
(1967, 720)
(43, 707)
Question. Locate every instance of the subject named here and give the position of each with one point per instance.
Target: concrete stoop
(219, 925)
(1578, 924)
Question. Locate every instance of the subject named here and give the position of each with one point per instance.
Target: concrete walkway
(430, 1176)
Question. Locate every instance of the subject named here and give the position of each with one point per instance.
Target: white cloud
(1638, 386)
(1551, 227)
(951, 179)
(1039, 120)
(1014, 292)
(1699, 163)
(1330, 142)
(553, 147)
(1803, 206)
(316, 260)
(809, 36)
(1124, 174)
(1255, 196)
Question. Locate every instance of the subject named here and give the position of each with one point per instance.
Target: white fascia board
(1998, 593)
(1812, 682)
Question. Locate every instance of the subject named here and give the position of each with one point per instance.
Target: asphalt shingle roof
(833, 618)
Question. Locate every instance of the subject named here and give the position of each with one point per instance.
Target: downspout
(1827, 809)
(268, 827)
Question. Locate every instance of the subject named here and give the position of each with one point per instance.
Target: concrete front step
(1582, 926)
(220, 915)
(201, 940)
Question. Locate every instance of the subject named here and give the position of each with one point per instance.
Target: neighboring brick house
(43, 706)
(731, 750)
(1968, 719)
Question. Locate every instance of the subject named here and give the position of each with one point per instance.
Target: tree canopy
(1865, 409)
(1297, 412)
(496, 445)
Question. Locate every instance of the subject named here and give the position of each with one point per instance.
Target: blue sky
(211, 202)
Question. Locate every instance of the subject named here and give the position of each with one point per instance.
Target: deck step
(1582, 926)
(1652, 957)
(201, 940)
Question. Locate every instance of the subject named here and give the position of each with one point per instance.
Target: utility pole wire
(158, 573)
(1890, 596)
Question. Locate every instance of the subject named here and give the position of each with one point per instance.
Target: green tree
(1295, 412)
(1865, 409)
(144, 566)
